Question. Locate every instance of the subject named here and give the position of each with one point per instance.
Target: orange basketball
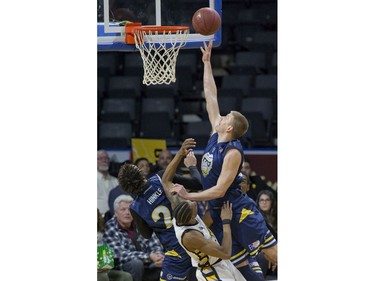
(206, 21)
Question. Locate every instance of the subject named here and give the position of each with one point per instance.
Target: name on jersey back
(154, 196)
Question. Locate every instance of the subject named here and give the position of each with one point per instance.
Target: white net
(159, 51)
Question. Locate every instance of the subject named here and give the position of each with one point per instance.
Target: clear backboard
(113, 15)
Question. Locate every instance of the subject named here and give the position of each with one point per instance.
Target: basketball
(206, 21)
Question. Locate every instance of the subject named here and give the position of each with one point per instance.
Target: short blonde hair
(240, 124)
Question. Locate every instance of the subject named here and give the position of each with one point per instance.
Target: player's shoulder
(235, 143)
(192, 237)
(233, 151)
(191, 233)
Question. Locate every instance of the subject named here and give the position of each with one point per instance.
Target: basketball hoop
(159, 47)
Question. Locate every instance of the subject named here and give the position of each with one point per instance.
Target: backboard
(113, 15)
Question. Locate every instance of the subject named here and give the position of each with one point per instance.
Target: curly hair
(182, 213)
(131, 179)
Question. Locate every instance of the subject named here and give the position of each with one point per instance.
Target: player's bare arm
(210, 90)
(186, 147)
(271, 255)
(194, 240)
(231, 163)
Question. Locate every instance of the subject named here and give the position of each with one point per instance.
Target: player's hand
(226, 211)
(206, 52)
(102, 269)
(156, 257)
(187, 147)
(272, 266)
(180, 190)
(158, 264)
(271, 255)
(190, 160)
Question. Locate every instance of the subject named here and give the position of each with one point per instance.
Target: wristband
(226, 221)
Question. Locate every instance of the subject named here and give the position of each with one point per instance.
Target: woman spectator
(267, 206)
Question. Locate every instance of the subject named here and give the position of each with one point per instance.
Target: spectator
(245, 183)
(106, 182)
(144, 165)
(142, 257)
(256, 183)
(113, 194)
(164, 158)
(109, 274)
(246, 168)
(267, 205)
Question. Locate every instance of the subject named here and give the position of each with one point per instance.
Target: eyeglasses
(265, 200)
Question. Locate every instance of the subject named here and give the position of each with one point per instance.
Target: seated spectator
(144, 165)
(267, 206)
(116, 192)
(256, 183)
(108, 274)
(245, 183)
(106, 182)
(141, 257)
(246, 168)
(164, 158)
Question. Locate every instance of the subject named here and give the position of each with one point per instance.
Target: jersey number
(167, 217)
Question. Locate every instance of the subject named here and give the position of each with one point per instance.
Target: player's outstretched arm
(170, 171)
(209, 86)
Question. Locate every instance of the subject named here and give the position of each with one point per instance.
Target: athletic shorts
(175, 268)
